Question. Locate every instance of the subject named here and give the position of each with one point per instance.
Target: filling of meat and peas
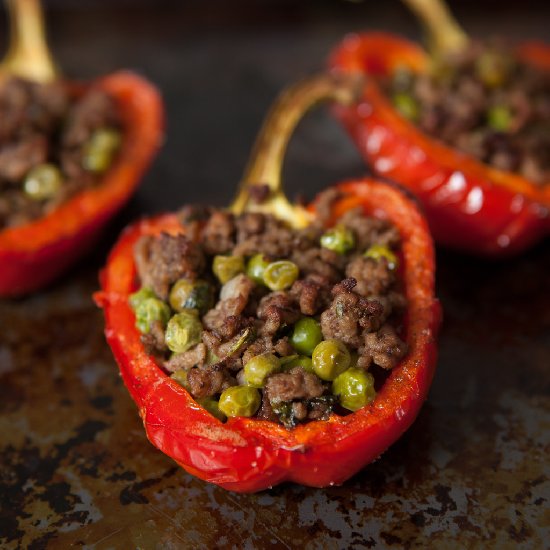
(51, 146)
(486, 103)
(257, 319)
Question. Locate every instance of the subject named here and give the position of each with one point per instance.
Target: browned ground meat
(153, 341)
(188, 359)
(249, 224)
(16, 159)
(42, 123)
(208, 380)
(294, 385)
(350, 315)
(162, 261)
(384, 347)
(369, 231)
(486, 103)
(266, 411)
(267, 344)
(27, 108)
(373, 277)
(276, 310)
(294, 397)
(312, 293)
(218, 233)
(354, 299)
(276, 240)
(224, 320)
(319, 261)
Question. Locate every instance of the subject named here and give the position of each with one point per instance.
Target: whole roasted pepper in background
(469, 205)
(245, 454)
(34, 253)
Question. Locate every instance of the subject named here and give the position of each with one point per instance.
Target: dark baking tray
(76, 468)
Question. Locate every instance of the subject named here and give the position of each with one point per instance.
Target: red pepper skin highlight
(469, 205)
(248, 455)
(34, 254)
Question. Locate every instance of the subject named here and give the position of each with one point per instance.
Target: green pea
(306, 335)
(100, 150)
(287, 359)
(180, 376)
(378, 251)
(213, 407)
(255, 268)
(227, 267)
(407, 106)
(142, 294)
(149, 311)
(184, 330)
(239, 401)
(499, 118)
(280, 275)
(42, 182)
(259, 368)
(288, 363)
(187, 294)
(330, 358)
(354, 388)
(339, 238)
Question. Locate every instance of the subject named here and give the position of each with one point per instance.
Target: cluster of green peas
(499, 117)
(44, 181)
(491, 68)
(330, 360)
(191, 299)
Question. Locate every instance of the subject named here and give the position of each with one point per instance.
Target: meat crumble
(255, 318)
(484, 102)
(52, 145)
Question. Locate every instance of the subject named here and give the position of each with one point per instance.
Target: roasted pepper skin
(248, 455)
(469, 205)
(34, 254)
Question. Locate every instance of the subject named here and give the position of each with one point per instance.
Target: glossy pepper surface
(247, 454)
(470, 206)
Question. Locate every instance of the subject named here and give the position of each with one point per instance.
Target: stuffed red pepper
(269, 342)
(70, 156)
(466, 131)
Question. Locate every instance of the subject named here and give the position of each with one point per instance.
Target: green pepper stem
(28, 55)
(445, 35)
(265, 164)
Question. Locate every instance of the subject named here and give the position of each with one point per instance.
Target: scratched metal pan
(76, 466)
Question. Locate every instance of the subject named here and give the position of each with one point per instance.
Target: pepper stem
(28, 55)
(263, 173)
(445, 35)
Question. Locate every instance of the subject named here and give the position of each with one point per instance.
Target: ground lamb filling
(52, 146)
(486, 103)
(258, 319)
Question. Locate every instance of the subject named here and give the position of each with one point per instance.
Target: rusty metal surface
(76, 468)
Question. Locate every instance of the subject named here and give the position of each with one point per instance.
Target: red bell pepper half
(32, 255)
(246, 454)
(469, 205)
